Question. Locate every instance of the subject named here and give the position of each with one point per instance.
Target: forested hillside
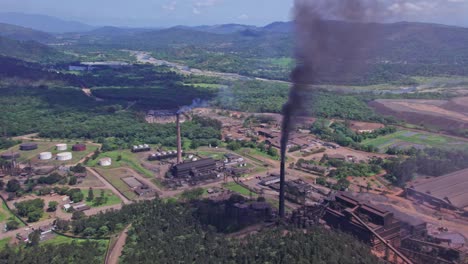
(395, 51)
(31, 51)
(24, 34)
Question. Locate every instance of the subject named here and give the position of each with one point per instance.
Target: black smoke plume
(330, 38)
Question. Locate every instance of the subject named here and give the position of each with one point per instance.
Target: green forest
(174, 233)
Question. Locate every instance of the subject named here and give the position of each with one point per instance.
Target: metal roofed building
(448, 191)
(194, 168)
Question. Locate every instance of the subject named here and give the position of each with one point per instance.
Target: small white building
(105, 162)
(66, 207)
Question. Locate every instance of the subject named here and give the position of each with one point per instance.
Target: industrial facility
(195, 169)
(141, 148)
(163, 155)
(449, 191)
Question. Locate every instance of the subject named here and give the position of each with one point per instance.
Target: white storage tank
(45, 156)
(105, 162)
(64, 156)
(61, 147)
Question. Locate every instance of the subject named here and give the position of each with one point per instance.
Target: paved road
(109, 186)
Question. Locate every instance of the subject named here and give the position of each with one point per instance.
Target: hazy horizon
(166, 13)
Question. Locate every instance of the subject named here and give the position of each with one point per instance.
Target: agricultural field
(112, 199)
(406, 139)
(114, 176)
(43, 146)
(127, 159)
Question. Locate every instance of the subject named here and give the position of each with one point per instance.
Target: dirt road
(114, 254)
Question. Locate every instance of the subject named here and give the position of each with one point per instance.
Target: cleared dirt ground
(451, 114)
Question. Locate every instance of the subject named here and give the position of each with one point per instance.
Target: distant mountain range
(24, 34)
(397, 50)
(31, 51)
(44, 23)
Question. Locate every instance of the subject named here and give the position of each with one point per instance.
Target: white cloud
(171, 6)
(207, 3)
(199, 5)
(243, 17)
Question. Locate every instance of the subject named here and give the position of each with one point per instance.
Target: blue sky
(156, 13)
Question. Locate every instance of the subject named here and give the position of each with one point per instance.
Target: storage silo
(64, 156)
(79, 147)
(105, 162)
(61, 147)
(28, 146)
(10, 155)
(45, 156)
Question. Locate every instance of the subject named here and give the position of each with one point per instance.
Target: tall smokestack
(179, 140)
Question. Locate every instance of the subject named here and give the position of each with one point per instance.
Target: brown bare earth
(359, 126)
(452, 114)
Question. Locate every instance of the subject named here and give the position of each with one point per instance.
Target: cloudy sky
(156, 13)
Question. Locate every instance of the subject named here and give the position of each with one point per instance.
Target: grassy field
(4, 242)
(44, 146)
(58, 239)
(114, 176)
(206, 85)
(239, 189)
(284, 62)
(112, 199)
(6, 214)
(214, 155)
(406, 139)
(128, 159)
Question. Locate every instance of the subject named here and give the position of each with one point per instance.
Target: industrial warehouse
(448, 191)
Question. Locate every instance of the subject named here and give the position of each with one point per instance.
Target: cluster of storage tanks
(62, 156)
(163, 155)
(141, 148)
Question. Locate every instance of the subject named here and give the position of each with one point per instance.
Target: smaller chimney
(179, 140)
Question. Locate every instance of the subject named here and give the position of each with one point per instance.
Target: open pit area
(443, 114)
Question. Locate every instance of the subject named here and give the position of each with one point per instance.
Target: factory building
(79, 147)
(28, 146)
(194, 168)
(364, 221)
